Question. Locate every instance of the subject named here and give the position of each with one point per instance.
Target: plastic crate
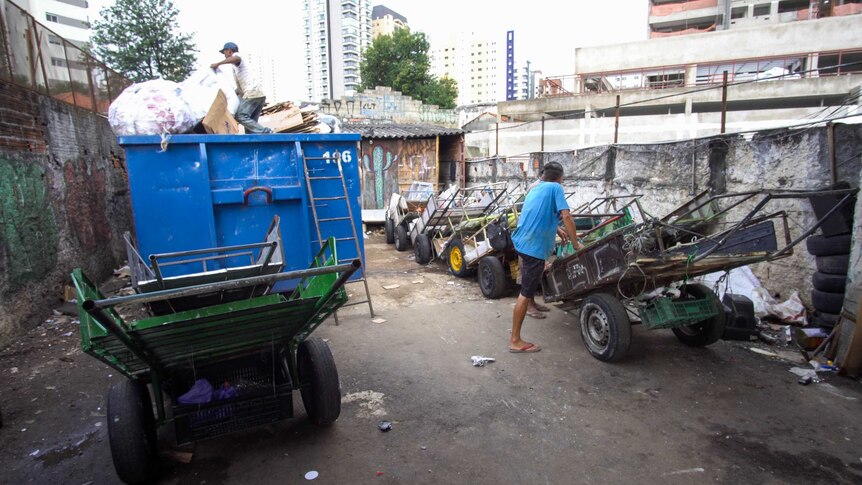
(624, 221)
(666, 313)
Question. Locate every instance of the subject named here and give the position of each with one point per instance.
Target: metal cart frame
(626, 274)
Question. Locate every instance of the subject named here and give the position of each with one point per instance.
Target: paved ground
(667, 414)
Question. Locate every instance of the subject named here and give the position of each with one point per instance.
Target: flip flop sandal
(526, 349)
(536, 315)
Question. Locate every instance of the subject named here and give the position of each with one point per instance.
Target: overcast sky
(546, 33)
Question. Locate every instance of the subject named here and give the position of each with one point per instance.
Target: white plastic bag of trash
(201, 88)
(789, 311)
(151, 108)
(480, 361)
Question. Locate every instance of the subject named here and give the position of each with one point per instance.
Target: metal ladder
(309, 182)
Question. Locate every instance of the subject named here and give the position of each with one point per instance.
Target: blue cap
(231, 46)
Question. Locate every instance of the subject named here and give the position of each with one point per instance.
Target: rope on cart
(619, 289)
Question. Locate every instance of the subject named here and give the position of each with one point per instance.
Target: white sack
(151, 108)
(201, 88)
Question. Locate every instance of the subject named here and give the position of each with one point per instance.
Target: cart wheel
(492, 278)
(706, 332)
(318, 377)
(422, 249)
(132, 432)
(389, 228)
(605, 327)
(457, 265)
(401, 238)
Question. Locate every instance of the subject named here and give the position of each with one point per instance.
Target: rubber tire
(826, 302)
(132, 432)
(832, 283)
(422, 249)
(319, 384)
(619, 327)
(822, 319)
(828, 246)
(389, 229)
(837, 264)
(458, 245)
(401, 238)
(492, 278)
(706, 332)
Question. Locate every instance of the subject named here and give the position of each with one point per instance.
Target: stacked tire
(832, 255)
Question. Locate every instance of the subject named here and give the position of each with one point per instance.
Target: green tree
(141, 40)
(400, 61)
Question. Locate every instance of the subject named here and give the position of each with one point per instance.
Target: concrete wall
(519, 137)
(385, 104)
(663, 173)
(825, 34)
(63, 203)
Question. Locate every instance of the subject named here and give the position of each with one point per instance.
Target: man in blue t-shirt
(534, 241)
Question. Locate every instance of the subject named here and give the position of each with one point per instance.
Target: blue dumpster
(207, 191)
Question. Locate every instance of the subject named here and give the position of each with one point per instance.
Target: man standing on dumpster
(534, 241)
(251, 98)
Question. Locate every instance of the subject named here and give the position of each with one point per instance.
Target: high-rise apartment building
(70, 19)
(385, 21)
(477, 63)
(337, 32)
(680, 17)
(525, 81)
(267, 71)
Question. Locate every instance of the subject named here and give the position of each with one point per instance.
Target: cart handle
(256, 189)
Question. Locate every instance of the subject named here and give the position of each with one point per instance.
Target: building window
(738, 12)
(761, 10)
(51, 17)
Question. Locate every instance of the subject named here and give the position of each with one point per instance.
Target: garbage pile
(204, 103)
(288, 118)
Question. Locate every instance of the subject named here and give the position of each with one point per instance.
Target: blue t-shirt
(537, 226)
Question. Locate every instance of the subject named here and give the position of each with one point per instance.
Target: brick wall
(63, 203)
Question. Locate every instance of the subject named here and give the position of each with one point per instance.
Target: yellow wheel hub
(455, 259)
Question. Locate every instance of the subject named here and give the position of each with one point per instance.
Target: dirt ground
(667, 414)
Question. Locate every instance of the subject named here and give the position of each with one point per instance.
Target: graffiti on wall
(392, 166)
(438, 116)
(377, 168)
(387, 105)
(28, 229)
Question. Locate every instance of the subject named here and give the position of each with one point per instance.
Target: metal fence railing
(35, 57)
(796, 66)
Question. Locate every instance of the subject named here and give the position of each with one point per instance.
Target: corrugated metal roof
(399, 130)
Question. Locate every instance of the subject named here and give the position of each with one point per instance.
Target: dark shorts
(531, 270)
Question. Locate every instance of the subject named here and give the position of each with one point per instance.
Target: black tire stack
(832, 255)
(831, 250)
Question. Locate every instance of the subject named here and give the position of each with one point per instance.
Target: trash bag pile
(161, 107)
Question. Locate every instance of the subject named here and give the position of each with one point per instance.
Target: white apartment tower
(477, 63)
(70, 19)
(337, 32)
(385, 21)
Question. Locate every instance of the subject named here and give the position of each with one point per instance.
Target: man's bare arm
(569, 224)
(228, 60)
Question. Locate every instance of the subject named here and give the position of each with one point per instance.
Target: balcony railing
(34, 57)
(804, 65)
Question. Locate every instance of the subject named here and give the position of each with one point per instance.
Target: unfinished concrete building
(682, 17)
(670, 88)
